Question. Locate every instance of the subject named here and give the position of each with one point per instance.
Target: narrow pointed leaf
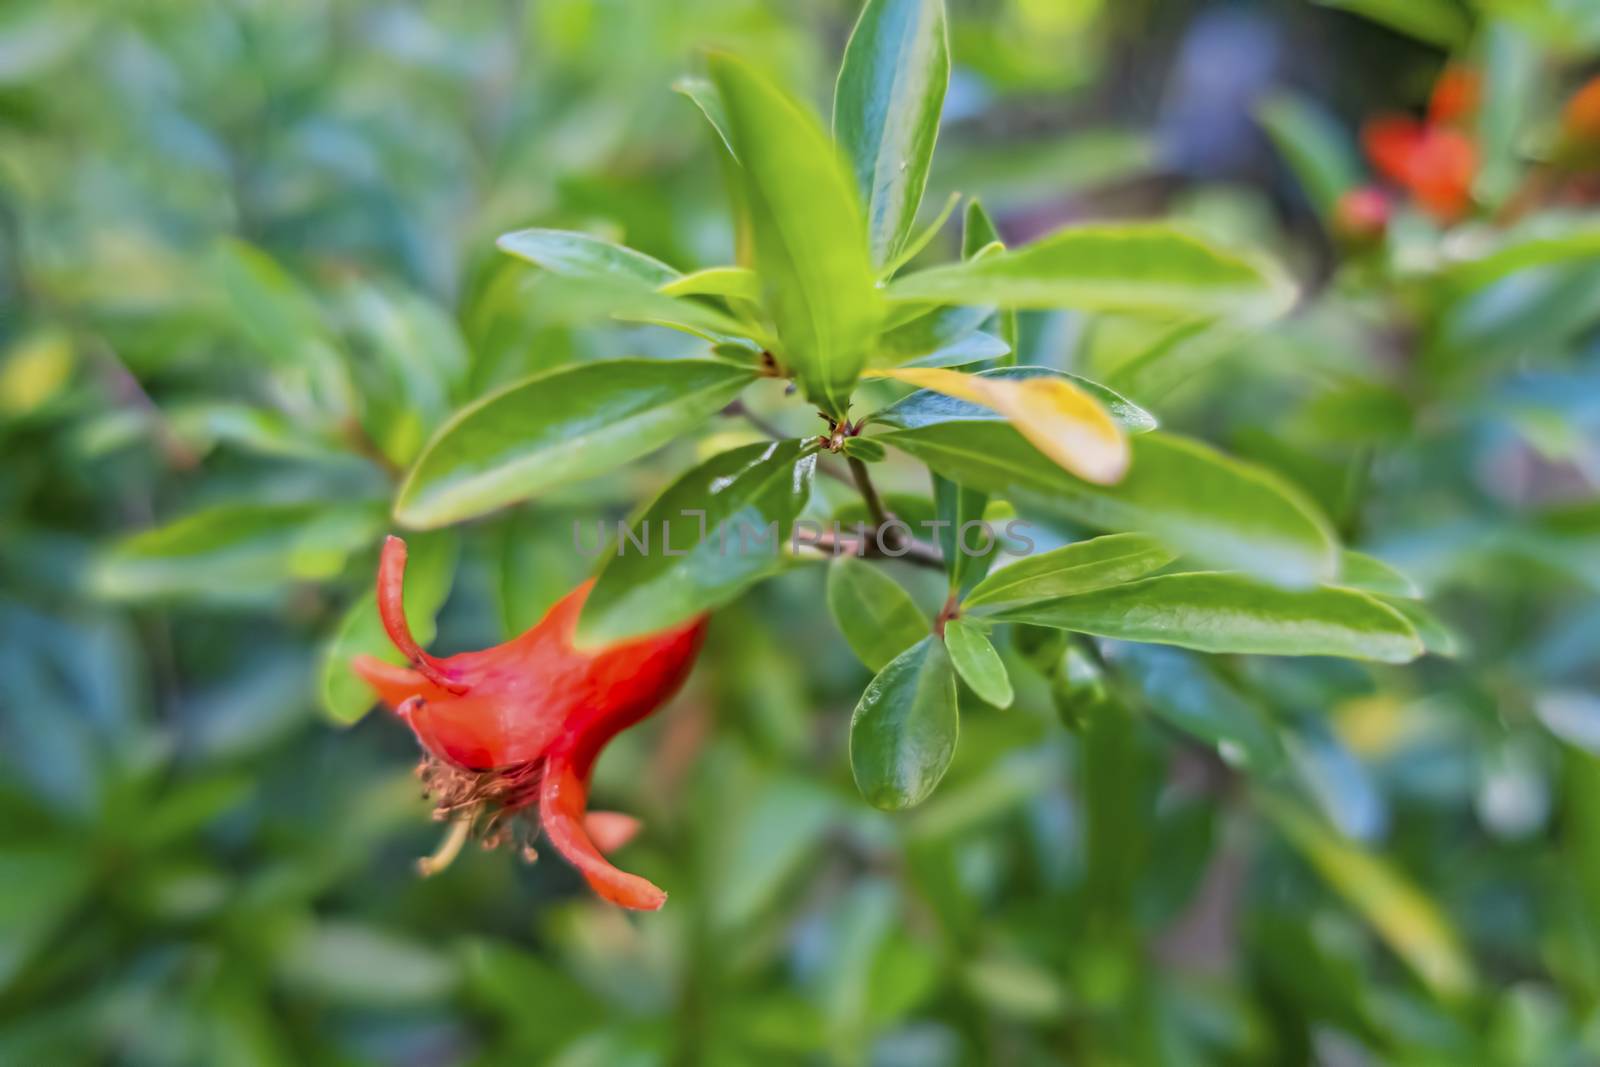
(736, 282)
(1195, 500)
(1062, 421)
(903, 732)
(877, 616)
(1372, 575)
(977, 663)
(1406, 918)
(886, 110)
(1077, 568)
(1134, 267)
(559, 427)
(810, 239)
(926, 407)
(1216, 612)
(676, 563)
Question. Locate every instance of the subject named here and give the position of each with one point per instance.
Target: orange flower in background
(522, 723)
(1435, 164)
(1434, 160)
(1456, 96)
(1581, 121)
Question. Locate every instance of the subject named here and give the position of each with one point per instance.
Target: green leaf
(866, 449)
(877, 616)
(1314, 144)
(670, 568)
(585, 258)
(913, 247)
(236, 552)
(703, 95)
(977, 663)
(978, 231)
(927, 408)
(1438, 22)
(903, 732)
(978, 236)
(1437, 637)
(966, 354)
(1132, 267)
(735, 282)
(1546, 241)
(886, 111)
(1192, 498)
(1216, 612)
(430, 570)
(929, 332)
(626, 283)
(1372, 575)
(1184, 690)
(1406, 918)
(558, 427)
(810, 241)
(964, 561)
(1077, 568)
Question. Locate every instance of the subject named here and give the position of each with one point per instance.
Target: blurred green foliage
(249, 267)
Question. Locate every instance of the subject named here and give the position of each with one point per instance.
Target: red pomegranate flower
(523, 722)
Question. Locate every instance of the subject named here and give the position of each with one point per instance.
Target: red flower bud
(523, 722)
(1362, 214)
(1435, 164)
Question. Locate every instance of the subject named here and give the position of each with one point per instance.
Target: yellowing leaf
(1059, 419)
(36, 369)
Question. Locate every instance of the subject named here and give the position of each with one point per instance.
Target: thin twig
(869, 492)
(917, 553)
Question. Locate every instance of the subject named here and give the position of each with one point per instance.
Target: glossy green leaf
(234, 552)
(616, 279)
(866, 449)
(430, 570)
(736, 282)
(1195, 500)
(578, 255)
(810, 240)
(559, 427)
(704, 96)
(979, 236)
(1131, 267)
(877, 616)
(1216, 612)
(926, 407)
(676, 562)
(903, 732)
(929, 332)
(971, 353)
(977, 663)
(1372, 575)
(1406, 918)
(978, 231)
(1314, 144)
(1076, 568)
(1437, 637)
(886, 110)
(914, 246)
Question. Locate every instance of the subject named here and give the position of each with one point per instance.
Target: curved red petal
(561, 809)
(392, 610)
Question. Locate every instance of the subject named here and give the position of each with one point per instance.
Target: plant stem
(917, 553)
(869, 492)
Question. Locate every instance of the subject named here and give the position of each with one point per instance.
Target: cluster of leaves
(261, 319)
